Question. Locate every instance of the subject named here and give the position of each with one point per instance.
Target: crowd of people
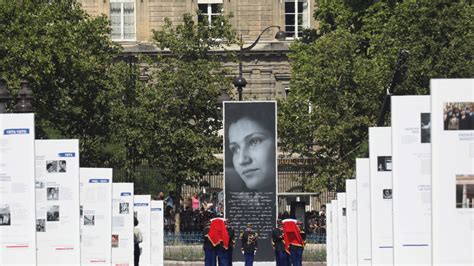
(459, 116)
(197, 209)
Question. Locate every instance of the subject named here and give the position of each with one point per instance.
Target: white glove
(243, 252)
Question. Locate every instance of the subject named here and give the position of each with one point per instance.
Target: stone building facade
(265, 67)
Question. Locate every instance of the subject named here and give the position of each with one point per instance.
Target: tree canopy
(66, 55)
(338, 80)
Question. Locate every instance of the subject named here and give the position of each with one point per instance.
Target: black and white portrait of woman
(250, 146)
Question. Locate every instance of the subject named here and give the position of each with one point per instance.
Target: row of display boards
(427, 161)
(52, 212)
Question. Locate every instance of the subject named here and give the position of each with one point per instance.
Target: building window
(122, 20)
(208, 12)
(296, 17)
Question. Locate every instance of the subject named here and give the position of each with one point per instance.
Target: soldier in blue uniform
(209, 250)
(231, 233)
(249, 240)
(281, 257)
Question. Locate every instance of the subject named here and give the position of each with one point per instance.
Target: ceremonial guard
(231, 233)
(219, 238)
(249, 240)
(294, 237)
(281, 257)
(209, 250)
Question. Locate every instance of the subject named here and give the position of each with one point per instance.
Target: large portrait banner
(250, 171)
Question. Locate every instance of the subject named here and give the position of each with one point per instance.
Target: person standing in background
(137, 239)
(195, 202)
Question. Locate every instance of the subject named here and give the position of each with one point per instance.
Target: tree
(342, 75)
(67, 57)
(178, 117)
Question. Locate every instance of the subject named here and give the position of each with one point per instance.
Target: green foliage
(67, 57)
(172, 121)
(343, 74)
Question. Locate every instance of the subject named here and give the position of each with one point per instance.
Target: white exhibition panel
(122, 224)
(329, 234)
(96, 216)
(411, 151)
(335, 234)
(452, 173)
(351, 203)
(157, 233)
(380, 151)
(143, 214)
(342, 227)
(364, 246)
(57, 202)
(17, 189)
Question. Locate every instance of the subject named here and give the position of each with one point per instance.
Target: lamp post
(239, 81)
(24, 95)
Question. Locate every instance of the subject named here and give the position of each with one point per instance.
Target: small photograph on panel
(52, 215)
(5, 215)
(89, 220)
(52, 193)
(464, 191)
(458, 116)
(387, 194)
(123, 207)
(425, 125)
(40, 225)
(384, 163)
(344, 211)
(39, 184)
(62, 166)
(115, 241)
(52, 166)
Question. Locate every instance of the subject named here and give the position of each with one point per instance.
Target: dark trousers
(296, 257)
(230, 251)
(282, 258)
(136, 254)
(209, 257)
(222, 256)
(248, 259)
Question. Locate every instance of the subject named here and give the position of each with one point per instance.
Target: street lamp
(24, 95)
(240, 82)
(5, 96)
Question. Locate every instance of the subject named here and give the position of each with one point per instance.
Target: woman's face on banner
(252, 148)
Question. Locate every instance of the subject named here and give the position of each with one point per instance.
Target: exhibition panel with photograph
(364, 244)
(351, 213)
(342, 227)
(57, 202)
(452, 144)
(380, 153)
(142, 213)
(329, 233)
(122, 224)
(17, 189)
(411, 151)
(157, 232)
(250, 174)
(335, 233)
(96, 216)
